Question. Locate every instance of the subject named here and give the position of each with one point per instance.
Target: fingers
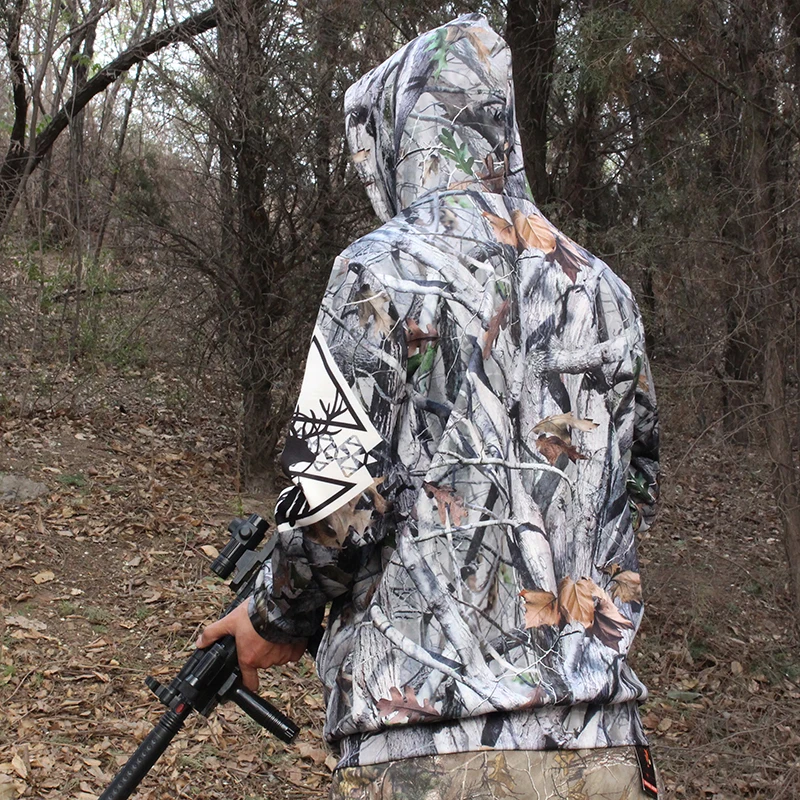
(213, 632)
(249, 677)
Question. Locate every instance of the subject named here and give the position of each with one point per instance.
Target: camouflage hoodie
(474, 445)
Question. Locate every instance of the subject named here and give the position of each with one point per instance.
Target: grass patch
(96, 615)
(72, 479)
(66, 608)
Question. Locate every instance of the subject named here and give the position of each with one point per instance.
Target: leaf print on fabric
(457, 153)
(405, 707)
(448, 503)
(541, 608)
(372, 306)
(626, 586)
(585, 602)
(503, 230)
(416, 337)
(347, 518)
(553, 447)
(500, 779)
(608, 622)
(576, 600)
(533, 232)
(560, 425)
(498, 321)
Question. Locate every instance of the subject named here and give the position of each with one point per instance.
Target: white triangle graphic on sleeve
(329, 441)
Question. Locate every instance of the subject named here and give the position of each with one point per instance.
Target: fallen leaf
(331, 762)
(316, 754)
(736, 668)
(651, 720)
(541, 608)
(44, 577)
(18, 621)
(19, 767)
(210, 550)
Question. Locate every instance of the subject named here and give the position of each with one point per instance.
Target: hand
(253, 650)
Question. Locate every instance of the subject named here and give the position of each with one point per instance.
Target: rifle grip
(264, 713)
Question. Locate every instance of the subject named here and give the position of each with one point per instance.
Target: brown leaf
(608, 621)
(44, 577)
(551, 447)
(534, 232)
(402, 708)
(447, 500)
(560, 425)
(627, 587)
(503, 782)
(371, 305)
(503, 230)
(492, 176)
(498, 321)
(611, 569)
(210, 550)
(576, 600)
(570, 257)
(347, 517)
(415, 336)
(378, 500)
(25, 623)
(651, 720)
(541, 608)
(316, 754)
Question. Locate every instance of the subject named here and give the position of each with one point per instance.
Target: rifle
(210, 675)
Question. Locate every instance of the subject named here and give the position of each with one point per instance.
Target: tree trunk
(763, 173)
(531, 33)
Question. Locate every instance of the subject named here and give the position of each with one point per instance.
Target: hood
(436, 116)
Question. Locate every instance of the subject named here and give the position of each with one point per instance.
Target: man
(473, 449)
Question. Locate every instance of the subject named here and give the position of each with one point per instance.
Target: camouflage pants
(602, 774)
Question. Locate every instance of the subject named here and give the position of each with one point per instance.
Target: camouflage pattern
(474, 446)
(610, 773)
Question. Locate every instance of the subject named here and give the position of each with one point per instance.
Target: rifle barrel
(146, 755)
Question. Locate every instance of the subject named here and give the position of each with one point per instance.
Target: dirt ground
(104, 580)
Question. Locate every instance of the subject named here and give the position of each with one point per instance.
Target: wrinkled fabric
(610, 773)
(474, 447)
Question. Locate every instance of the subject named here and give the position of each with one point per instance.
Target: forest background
(174, 189)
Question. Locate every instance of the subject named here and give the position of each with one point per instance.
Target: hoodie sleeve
(643, 471)
(338, 454)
